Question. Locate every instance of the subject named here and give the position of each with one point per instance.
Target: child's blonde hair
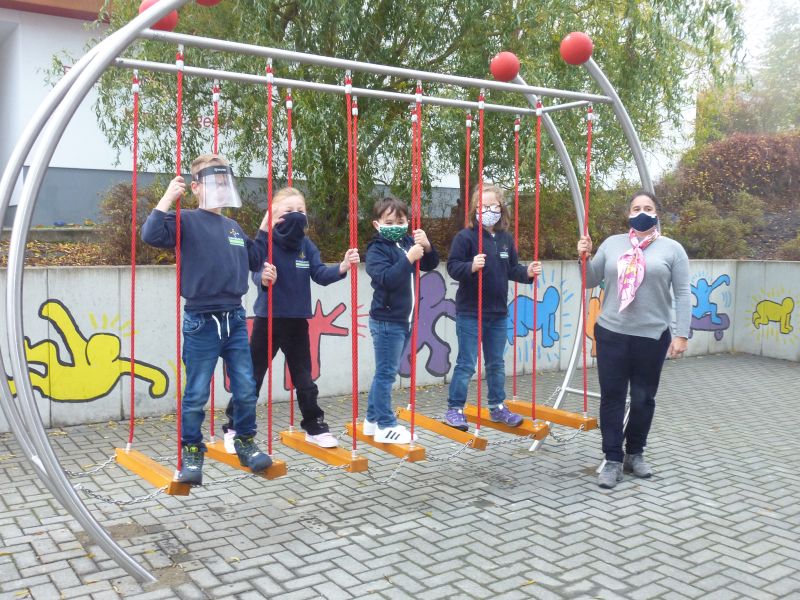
(505, 218)
(207, 160)
(286, 192)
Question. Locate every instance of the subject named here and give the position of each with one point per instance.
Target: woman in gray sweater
(632, 332)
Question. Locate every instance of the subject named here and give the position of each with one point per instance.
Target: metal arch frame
(47, 126)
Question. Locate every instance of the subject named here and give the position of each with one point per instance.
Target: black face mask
(290, 233)
(643, 221)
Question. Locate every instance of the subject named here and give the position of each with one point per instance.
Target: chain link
(318, 469)
(513, 440)
(97, 469)
(565, 439)
(109, 500)
(452, 456)
(392, 476)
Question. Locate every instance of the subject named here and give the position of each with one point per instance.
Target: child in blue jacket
(499, 265)
(391, 259)
(296, 262)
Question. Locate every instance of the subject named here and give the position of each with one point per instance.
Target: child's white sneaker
(323, 440)
(394, 435)
(369, 427)
(227, 440)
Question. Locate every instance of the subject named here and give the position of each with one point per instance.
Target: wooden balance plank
(443, 429)
(554, 415)
(535, 429)
(333, 456)
(151, 471)
(405, 451)
(216, 451)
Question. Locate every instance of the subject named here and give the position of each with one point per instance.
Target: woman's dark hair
(649, 195)
(392, 204)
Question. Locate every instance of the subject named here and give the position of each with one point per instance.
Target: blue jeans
(206, 338)
(389, 339)
(494, 343)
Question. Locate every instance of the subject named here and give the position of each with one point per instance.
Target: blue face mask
(290, 233)
(643, 221)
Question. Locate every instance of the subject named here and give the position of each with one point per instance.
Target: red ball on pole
(168, 23)
(504, 66)
(576, 48)
(208, 2)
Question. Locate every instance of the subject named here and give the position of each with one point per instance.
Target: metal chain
(392, 476)
(109, 500)
(318, 469)
(452, 456)
(97, 469)
(565, 439)
(513, 440)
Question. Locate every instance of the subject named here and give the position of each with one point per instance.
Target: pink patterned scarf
(630, 267)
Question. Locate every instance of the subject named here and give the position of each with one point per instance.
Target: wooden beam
(333, 456)
(535, 429)
(443, 429)
(216, 451)
(554, 415)
(405, 451)
(86, 10)
(151, 471)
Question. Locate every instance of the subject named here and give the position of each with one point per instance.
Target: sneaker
(227, 440)
(394, 435)
(192, 467)
(323, 440)
(456, 419)
(500, 414)
(634, 463)
(250, 455)
(369, 427)
(611, 474)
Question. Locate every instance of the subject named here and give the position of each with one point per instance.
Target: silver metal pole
(353, 65)
(127, 63)
(107, 50)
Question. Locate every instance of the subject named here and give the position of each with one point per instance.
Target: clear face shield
(217, 188)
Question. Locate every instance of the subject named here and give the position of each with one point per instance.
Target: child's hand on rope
(350, 258)
(534, 269)
(415, 253)
(422, 239)
(269, 274)
(478, 262)
(175, 189)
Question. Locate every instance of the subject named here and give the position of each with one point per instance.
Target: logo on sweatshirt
(234, 239)
(300, 262)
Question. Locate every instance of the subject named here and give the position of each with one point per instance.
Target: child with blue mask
(296, 263)
(391, 261)
(499, 265)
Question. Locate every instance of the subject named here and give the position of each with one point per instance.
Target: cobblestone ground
(719, 519)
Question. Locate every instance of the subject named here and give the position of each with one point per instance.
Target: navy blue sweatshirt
(391, 272)
(291, 294)
(216, 256)
(501, 267)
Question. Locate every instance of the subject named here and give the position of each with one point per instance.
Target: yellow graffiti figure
(94, 365)
(767, 311)
(593, 311)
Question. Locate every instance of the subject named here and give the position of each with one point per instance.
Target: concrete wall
(75, 313)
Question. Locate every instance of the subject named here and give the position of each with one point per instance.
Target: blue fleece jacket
(501, 267)
(391, 272)
(291, 295)
(216, 256)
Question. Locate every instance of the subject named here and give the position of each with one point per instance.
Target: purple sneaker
(500, 414)
(456, 419)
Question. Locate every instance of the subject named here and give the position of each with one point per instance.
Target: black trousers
(290, 336)
(624, 360)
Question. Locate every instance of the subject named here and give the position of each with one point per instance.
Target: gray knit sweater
(650, 313)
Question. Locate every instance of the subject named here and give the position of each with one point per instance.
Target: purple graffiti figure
(433, 305)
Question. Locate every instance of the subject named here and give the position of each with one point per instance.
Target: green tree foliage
(645, 47)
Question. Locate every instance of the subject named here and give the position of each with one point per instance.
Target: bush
(790, 250)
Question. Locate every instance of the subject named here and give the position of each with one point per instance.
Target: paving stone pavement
(720, 518)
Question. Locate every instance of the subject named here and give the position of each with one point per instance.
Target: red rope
(416, 223)
(178, 362)
(269, 255)
(215, 150)
(536, 253)
(352, 180)
(480, 251)
(516, 245)
(134, 207)
(289, 104)
(466, 171)
(584, 311)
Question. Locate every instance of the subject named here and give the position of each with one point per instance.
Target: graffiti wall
(78, 331)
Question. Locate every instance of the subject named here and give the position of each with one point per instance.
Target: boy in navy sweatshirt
(391, 258)
(216, 257)
(499, 264)
(296, 263)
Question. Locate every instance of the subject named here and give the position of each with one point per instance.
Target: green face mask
(393, 233)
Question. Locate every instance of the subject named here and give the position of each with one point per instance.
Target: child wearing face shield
(499, 264)
(391, 263)
(296, 262)
(216, 258)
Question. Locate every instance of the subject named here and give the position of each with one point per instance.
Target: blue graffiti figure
(702, 293)
(545, 317)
